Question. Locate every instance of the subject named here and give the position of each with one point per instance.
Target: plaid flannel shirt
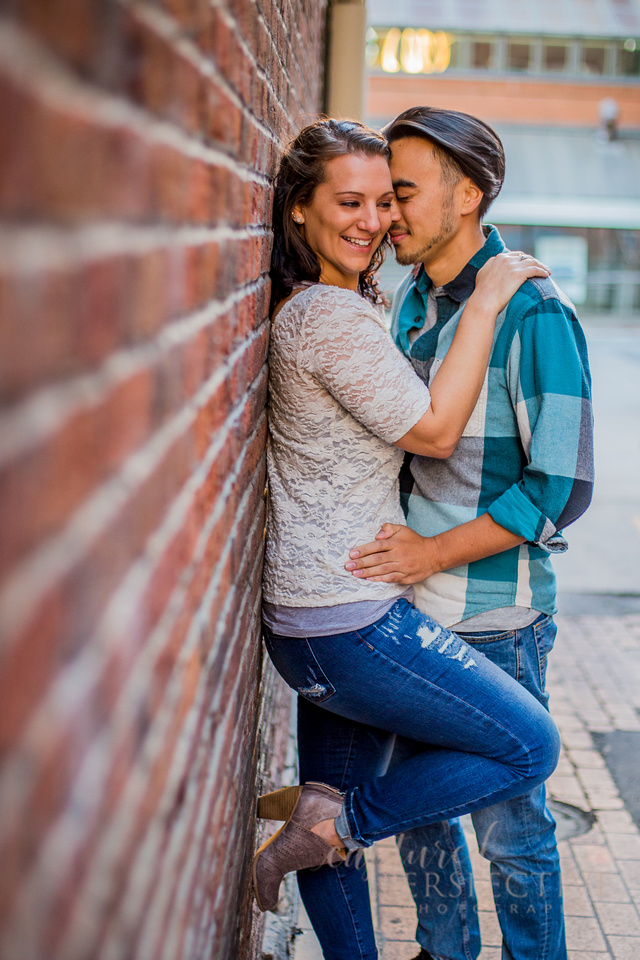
(526, 455)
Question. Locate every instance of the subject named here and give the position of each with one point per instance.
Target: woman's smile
(348, 216)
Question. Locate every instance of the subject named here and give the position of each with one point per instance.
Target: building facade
(560, 82)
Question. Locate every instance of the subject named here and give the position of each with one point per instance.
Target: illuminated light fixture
(421, 51)
(411, 56)
(442, 57)
(388, 59)
(630, 45)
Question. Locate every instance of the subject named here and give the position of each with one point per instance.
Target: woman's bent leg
(408, 675)
(340, 753)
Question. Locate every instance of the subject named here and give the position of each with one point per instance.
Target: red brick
(127, 148)
(70, 28)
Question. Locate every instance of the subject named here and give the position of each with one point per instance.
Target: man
(487, 518)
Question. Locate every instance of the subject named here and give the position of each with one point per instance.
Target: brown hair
(301, 170)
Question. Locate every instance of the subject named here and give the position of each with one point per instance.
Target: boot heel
(279, 804)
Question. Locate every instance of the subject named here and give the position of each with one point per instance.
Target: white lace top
(340, 394)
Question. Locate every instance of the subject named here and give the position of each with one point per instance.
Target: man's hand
(397, 555)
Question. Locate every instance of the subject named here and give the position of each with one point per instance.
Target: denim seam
(356, 927)
(354, 828)
(325, 678)
(464, 900)
(472, 638)
(350, 753)
(486, 716)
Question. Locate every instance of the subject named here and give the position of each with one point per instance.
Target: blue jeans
(479, 738)
(517, 836)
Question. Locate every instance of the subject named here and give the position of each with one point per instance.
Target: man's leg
(437, 865)
(517, 836)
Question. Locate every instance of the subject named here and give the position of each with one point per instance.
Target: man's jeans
(478, 737)
(517, 836)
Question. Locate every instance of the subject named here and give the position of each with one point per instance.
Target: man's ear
(471, 197)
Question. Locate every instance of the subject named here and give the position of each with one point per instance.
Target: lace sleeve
(347, 349)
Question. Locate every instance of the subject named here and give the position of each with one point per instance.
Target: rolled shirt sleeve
(550, 387)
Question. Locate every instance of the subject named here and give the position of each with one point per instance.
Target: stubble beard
(445, 231)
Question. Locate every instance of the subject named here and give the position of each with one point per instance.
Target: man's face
(426, 201)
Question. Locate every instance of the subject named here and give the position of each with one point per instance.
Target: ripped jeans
(480, 738)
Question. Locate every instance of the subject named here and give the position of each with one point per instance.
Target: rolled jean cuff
(343, 829)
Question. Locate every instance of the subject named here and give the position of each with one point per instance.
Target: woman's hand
(398, 555)
(500, 277)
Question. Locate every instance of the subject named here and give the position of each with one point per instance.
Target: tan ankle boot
(294, 846)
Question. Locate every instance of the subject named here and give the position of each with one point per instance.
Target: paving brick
(571, 875)
(398, 923)
(624, 846)
(594, 859)
(617, 821)
(395, 891)
(606, 887)
(584, 933)
(389, 862)
(630, 871)
(577, 902)
(619, 918)
(395, 950)
(625, 948)
(586, 759)
(587, 955)
(490, 929)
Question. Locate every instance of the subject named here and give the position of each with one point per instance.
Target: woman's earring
(297, 218)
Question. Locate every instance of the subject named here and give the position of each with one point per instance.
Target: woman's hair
(302, 168)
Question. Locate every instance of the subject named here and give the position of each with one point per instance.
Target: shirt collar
(462, 286)
(413, 311)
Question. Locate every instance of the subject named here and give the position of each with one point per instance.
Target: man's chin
(405, 259)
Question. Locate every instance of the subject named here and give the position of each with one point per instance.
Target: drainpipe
(347, 28)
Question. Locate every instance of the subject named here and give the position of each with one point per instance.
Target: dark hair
(301, 170)
(465, 142)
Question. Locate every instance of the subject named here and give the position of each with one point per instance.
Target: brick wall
(137, 145)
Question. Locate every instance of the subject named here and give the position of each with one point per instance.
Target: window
(482, 55)
(455, 52)
(630, 59)
(555, 56)
(593, 58)
(518, 56)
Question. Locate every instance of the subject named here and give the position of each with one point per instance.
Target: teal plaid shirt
(526, 455)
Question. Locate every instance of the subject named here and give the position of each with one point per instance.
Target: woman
(366, 663)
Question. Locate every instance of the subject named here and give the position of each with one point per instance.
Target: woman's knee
(545, 751)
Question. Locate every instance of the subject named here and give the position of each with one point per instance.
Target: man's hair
(465, 147)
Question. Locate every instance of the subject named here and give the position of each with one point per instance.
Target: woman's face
(348, 216)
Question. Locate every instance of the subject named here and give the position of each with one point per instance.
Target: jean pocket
(544, 632)
(296, 663)
(498, 646)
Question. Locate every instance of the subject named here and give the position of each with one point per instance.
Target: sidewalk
(594, 681)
